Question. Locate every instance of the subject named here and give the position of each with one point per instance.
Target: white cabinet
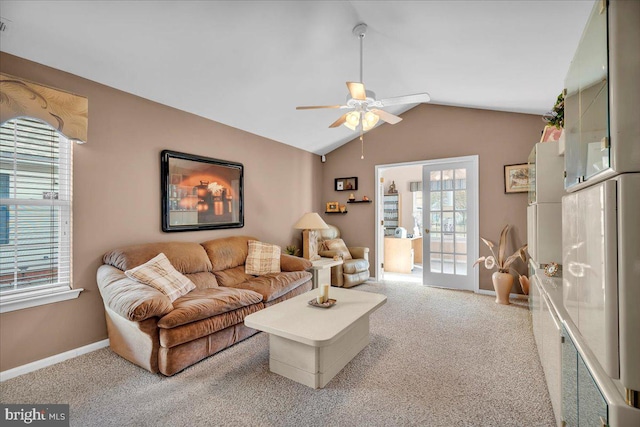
(544, 213)
(547, 331)
(589, 238)
(602, 129)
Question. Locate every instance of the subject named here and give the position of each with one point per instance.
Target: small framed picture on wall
(517, 178)
(346, 184)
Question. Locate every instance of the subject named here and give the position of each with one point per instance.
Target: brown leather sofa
(146, 328)
(353, 271)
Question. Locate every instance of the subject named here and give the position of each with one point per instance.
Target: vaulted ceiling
(248, 64)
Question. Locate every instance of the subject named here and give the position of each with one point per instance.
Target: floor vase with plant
(502, 279)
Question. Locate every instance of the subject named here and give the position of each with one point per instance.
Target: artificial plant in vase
(502, 279)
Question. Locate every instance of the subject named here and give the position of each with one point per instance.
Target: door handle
(426, 230)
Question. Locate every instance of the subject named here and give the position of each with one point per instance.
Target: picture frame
(200, 193)
(332, 207)
(550, 134)
(517, 178)
(346, 184)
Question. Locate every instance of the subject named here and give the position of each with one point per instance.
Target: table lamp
(310, 222)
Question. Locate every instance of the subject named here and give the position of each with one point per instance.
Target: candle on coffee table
(325, 292)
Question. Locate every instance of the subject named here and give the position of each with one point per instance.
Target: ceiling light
(353, 119)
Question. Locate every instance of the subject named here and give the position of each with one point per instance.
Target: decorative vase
(502, 283)
(524, 284)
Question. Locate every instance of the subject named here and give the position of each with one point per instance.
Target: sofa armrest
(359, 252)
(130, 299)
(293, 263)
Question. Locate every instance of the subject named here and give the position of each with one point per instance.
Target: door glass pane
(461, 222)
(447, 243)
(436, 245)
(447, 264)
(461, 243)
(435, 201)
(447, 222)
(447, 200)
(447, 179)
(436, 263)
(434, 180)
(461, 265)
(435, 221)
(460, 176)
(461, 200)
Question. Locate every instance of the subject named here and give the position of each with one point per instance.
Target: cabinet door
(569, 382)
(552, 355)
(535, 297)
(592, 408)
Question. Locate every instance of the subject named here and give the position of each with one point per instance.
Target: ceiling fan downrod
(360, 31)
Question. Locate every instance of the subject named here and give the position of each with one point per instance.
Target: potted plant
(502, 279)
(291, 250)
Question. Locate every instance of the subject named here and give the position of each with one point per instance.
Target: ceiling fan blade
(407, 99)
(387, 117)
(357, 91)
(313, 107)
(341, 120)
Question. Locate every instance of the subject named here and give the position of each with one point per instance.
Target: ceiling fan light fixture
(369, 120)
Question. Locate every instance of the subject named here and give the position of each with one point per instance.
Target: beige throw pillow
(160, 274)
(263, 258)
(338, 246)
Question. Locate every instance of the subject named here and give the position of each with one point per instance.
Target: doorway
(428, 223)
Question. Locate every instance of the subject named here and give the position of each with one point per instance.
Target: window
(35, 215)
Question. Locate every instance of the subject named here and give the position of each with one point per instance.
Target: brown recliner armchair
(353, 271)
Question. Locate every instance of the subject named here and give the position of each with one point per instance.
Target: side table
(321, 270)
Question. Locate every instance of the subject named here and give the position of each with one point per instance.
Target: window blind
(35, 207)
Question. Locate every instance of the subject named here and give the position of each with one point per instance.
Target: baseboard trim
(52, 360)
(487, 292)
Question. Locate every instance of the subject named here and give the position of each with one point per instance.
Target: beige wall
(117, 199)
(433, 132)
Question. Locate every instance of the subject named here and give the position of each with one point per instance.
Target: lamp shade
(310, 221)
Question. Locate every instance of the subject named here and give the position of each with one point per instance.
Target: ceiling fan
(364, 109)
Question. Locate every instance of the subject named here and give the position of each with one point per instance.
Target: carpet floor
(437, 358)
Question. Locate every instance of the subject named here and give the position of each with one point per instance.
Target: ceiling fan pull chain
(361, 145)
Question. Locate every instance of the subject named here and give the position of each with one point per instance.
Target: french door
(450, 221)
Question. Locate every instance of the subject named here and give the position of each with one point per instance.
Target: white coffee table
(311, 345)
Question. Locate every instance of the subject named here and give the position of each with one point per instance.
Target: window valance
(64, 111)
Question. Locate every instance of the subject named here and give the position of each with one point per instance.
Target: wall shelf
(336, 212)
(359, 201)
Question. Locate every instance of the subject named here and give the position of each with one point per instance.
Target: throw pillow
(160, 274)
(338, 246)
(263, 258)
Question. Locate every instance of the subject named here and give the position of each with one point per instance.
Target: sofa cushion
(338, 246)
(203, 280)
(232, 276)
(272, 286)
(263, 258)
(205, 327)
(202, 303)
(130, 299)
(355, 266)
(160, 274)
(186, 257)
(227, 252)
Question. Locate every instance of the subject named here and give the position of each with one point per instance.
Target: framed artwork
(346, 184)
(200, 193)
(333, 207)
(550, 133)
(516, 178)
